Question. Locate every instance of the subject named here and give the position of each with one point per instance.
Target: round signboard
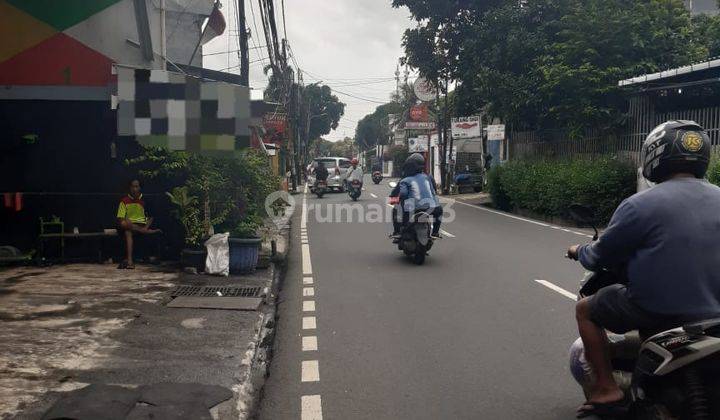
(424, 90)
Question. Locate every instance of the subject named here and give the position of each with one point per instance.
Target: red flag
(215, 25)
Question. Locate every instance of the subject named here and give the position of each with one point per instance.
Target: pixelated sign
(182, 112)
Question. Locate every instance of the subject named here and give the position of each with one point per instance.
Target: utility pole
(445, 135)
(244, 53)
(442, 140)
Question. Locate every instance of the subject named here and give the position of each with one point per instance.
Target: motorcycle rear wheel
(653, 412)
(419, 257)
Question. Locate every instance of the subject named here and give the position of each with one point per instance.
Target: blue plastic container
(244, 255)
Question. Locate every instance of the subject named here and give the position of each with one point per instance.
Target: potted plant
(188, 214)
(245, 245)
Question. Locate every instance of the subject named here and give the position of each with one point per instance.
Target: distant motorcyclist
(667, 238)
(354, 173)
(321, 172)
(417, 191)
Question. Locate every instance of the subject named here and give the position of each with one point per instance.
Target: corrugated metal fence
(625, 143)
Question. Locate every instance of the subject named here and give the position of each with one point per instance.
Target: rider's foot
(603, 403)
(436, 236)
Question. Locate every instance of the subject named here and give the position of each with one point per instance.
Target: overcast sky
(351, 45)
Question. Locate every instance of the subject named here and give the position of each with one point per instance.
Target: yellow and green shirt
(132, 209)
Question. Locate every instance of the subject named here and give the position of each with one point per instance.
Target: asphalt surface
(470, 334)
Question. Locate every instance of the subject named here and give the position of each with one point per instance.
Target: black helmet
(675, 147)
(414, 164)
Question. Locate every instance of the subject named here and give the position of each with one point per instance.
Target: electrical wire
(225, 52)
(252, 38)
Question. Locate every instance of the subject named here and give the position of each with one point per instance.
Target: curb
(260, 349)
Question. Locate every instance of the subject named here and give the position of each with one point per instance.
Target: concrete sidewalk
(65, 327)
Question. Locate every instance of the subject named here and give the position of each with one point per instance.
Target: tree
(549, 63)
(343, 148)
(322, 110)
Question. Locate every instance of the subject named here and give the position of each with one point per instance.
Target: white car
(337, 168)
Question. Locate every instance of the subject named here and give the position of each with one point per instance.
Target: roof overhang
(670, 73)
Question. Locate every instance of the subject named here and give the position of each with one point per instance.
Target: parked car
(337, 169)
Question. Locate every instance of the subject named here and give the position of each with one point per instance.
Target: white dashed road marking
(307, 265)
(558, 289)
(309, 323)
(373, 195)
(310, 371)
(309, 343)
(311, 407)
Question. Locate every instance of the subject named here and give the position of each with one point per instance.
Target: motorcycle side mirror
(585, 215)
(392, 184)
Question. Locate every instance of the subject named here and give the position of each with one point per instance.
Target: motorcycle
(415, 240)
(671, 374)
(320, 188)
(354, 189)
(377, 177)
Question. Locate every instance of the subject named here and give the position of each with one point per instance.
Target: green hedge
(714, 171)
(549, 187)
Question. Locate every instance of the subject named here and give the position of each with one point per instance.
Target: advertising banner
(419, 125)
(424, 90)
(418, 144)
(496, 132)
(419, 113)
(466, 127)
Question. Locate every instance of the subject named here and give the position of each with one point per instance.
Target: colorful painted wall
(70, 42)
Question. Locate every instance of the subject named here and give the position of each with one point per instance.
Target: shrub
(714, 171)
(495, 188)
(549, 187)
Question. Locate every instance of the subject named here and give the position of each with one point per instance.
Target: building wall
(71, 43)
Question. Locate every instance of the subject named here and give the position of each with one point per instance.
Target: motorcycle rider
(321, 172)
(417, 191)
(354, 173)
(666, 238)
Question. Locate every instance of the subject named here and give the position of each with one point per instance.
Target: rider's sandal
(602, 410)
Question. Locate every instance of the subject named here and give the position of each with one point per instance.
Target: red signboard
(275, 125)
(419, 113)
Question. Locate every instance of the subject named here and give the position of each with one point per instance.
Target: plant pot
(244, 254)
(193, 257)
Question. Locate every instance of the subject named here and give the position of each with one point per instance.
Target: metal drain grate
(231, 291)
(186, 291)
(217, 291)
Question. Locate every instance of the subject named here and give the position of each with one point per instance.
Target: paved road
(469, 335)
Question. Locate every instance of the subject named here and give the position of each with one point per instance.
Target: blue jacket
(418, 192)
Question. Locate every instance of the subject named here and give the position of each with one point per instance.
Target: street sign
(417, 144)
(496, 132)
(424, 90)
(466, 127)
(419, 125)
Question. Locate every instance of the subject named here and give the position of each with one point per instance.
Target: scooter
(415, 240)
(320, 188)
(673, 374)
(354, 189)
(377, 177)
